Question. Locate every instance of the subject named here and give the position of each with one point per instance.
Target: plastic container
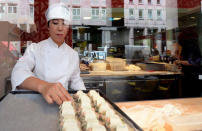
(186, 123)
(116, 64)
(98, 66)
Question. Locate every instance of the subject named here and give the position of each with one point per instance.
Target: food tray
(126, 119)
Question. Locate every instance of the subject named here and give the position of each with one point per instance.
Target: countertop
(190, 118)
(189, 105)
(128, 73)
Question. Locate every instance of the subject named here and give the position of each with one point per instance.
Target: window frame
(2, 8)
(150, 14)
(76, 16)
(12, 9)
(31, 7)
(159, 16)
(158, 2)
(94, 11)
(103, 15)
(131, 16)
(140, 2)
(149, 2)
(142, 12)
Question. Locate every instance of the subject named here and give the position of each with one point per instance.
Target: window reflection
(139, 24)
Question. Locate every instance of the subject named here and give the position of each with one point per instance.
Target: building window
(103, 13)
(95, 13)
(149, 2)
(76, 2)
(131, 1)
(140, 1)
(159, 15)
(12, 8)
(131, 13)
(150, 16)
(141, 14)
(76, 13)
(158, 2)
(2, 8)
(64, 1)
(31, 10)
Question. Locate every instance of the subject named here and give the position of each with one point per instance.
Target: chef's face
(58, 30)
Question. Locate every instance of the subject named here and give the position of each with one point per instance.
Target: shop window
(76, 13)
(12, 9)
(150, 16)
(141, 14)
(95, 13)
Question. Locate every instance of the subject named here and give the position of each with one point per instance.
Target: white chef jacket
(50, 63)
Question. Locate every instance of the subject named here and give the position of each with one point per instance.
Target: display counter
(135, 85)
(131, 85)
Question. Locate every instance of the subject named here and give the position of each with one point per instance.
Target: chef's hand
(55, 92)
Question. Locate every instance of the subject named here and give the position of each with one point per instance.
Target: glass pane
(10, 9)
(14, 9)
(134, 30)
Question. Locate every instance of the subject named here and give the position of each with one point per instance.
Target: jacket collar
(53, 44)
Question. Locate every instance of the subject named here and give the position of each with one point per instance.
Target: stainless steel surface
(27, 112)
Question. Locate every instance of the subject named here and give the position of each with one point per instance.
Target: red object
(117, 3)
(189, 3)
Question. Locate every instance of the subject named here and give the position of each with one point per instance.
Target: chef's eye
(55, 23)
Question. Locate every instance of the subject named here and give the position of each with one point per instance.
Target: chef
(50, 66)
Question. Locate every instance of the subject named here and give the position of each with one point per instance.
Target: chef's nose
(60, 27)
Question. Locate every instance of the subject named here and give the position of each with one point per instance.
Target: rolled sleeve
(23, 68)
(76, 81)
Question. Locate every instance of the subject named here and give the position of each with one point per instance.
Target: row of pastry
(67, 119)
(90, 112)
(86, 113)
(111, 119)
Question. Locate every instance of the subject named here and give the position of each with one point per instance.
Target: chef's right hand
(55, 92)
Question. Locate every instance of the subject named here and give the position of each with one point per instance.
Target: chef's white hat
(58, 11)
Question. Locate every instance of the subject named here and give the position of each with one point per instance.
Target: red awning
(189, 3)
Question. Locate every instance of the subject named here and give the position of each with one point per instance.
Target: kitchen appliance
(95, 83)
